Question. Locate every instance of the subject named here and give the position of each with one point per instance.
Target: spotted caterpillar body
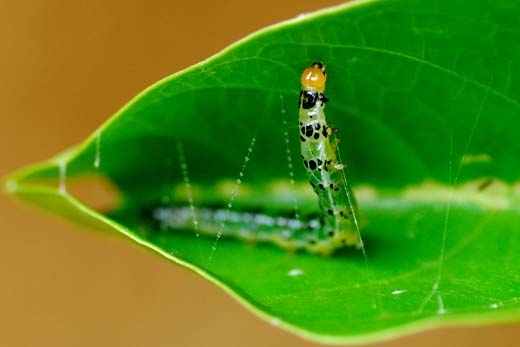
(337, 225)
(325, 173)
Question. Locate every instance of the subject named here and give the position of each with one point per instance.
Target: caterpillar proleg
(318, 152)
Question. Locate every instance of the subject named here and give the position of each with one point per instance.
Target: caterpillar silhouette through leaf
(337, 226)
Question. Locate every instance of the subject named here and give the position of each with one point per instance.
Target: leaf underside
(426, 97)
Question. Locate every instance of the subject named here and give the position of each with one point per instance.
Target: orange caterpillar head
(314, 77)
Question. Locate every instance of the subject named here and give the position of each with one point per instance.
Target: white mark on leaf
(97, 158)
(399, 291)
(63, 177)
(295, 272)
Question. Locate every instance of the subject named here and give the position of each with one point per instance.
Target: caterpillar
(325, 173)
(335, 227)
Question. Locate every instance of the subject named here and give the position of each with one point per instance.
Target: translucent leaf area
(426, 95)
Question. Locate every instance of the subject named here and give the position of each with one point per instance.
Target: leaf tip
(11, 186)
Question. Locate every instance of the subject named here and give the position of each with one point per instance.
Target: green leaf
(426, 95)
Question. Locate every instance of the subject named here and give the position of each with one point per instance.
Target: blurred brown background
(65, 68)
